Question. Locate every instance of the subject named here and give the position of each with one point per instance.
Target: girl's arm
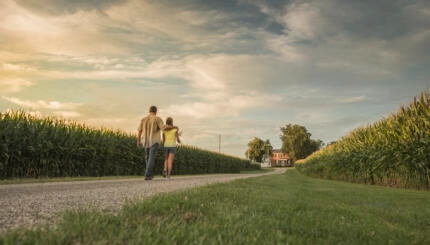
(177, 136)
(164, 138)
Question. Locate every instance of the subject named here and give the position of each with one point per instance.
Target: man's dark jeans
(150, 159)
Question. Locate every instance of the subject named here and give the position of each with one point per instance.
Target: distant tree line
(296, 142)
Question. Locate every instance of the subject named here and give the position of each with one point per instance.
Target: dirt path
(27, 205)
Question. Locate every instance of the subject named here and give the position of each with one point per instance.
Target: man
(149, 129)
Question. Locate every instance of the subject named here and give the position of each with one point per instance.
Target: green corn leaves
(31, 146)
(394, 151)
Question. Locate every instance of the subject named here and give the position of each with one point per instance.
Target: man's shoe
(148, 178)
(164, 173)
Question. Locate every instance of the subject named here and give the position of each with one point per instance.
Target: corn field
(394, 151)
(34, 147)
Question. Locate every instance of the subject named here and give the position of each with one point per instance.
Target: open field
(277, 209)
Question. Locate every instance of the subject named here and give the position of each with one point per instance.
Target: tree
(297, 142)
(258, 150)
(268, 149)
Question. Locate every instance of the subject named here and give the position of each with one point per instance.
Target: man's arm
(162, 126)
(139, 136)
(168, 127)
(160, 123)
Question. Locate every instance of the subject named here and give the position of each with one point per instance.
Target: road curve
(28, 205)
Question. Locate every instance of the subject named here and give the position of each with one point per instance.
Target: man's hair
(169, 121)
(153, 109)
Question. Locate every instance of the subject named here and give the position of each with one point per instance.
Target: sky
(236, 68)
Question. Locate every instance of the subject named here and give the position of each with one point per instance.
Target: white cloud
(8, 85)
(283, 45)
(77, 33)
(226, 105)
(166, 21)
(15, 67)
(42, 104)
(195, 110)
(354, 99)
(120, 29)
(302, 21)
(59, 109)
(231, 73)
(203, 73)
(67, 114)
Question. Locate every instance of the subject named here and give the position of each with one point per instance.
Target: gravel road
(28, 205)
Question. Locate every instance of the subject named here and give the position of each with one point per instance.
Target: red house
(280, 159)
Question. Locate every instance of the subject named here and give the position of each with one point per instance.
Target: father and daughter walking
(149, 131)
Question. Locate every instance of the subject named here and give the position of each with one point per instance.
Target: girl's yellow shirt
(170, 137)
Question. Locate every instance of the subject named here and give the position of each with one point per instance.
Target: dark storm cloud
(240, 13)
(379, 20)
(383, 19)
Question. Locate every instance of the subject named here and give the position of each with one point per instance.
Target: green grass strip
(277, 209)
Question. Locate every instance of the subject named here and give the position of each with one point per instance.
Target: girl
(170, 137)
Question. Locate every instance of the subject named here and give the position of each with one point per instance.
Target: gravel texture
(29, 205)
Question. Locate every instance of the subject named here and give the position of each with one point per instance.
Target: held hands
(139, 144)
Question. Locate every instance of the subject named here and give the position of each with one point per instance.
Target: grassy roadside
(260, 171)
(278, 209)
(68, 179)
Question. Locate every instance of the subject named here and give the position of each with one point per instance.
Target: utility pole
(219, 144)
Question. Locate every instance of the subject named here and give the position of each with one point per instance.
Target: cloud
(353, 99)
(13, 85)
(283, 46)
(225, 105)
(71, 33)
(147, 28)
(302, 21)
(332, 37)
(42, 104)
(64, 110)
(202, 72)
(122, 123)
(59, 7)
(67, 114)
(15, 67)
(174, 23)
